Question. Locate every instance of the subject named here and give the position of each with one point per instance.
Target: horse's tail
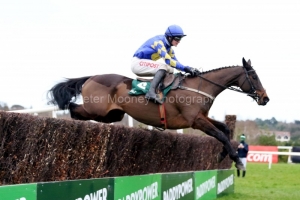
(63, 93)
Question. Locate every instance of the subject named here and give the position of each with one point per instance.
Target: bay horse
(106, 99)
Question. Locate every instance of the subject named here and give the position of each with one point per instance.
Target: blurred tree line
(4, 106)
(274, 125)
(259, 132)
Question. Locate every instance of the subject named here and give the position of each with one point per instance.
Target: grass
(281, 182)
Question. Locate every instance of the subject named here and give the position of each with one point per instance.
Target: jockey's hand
(192, 71)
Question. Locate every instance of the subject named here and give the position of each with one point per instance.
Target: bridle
(252, 93)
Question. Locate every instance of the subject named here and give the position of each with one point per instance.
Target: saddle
(170, 79)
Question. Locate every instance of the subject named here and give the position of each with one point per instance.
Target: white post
(130, 121)
(54, 114)
(180, 131)
(289, 158)
(270, 160)
(290, 150)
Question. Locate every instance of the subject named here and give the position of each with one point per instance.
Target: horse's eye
(254, 77)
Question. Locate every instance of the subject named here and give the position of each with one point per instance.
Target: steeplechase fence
(39, 149)
(49, 158)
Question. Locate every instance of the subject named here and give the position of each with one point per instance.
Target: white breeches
(145, 67)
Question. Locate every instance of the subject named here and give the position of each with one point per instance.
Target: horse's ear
(249, 62)
(246, 64)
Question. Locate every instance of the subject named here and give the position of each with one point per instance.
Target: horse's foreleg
(222, 127)
(205, 125)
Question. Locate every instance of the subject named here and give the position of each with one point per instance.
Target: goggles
(177, 39)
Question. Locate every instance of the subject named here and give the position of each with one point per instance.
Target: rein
(251, 93)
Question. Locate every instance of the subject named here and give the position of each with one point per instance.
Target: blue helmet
(174, 30)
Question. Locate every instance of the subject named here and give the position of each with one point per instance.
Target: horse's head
(251, 84)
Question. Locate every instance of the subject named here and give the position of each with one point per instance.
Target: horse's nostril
(266, 99)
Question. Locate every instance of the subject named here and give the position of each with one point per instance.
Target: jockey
(156, 57)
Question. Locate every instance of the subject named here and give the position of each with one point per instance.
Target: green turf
(281, 182)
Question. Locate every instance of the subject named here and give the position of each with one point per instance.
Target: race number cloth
(141, 88)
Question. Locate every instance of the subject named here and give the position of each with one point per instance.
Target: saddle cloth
(142, 87)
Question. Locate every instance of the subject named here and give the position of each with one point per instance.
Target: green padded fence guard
(198, 185)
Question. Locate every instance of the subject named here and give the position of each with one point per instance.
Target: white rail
(288, 148)
(52, 109)
(270, 153)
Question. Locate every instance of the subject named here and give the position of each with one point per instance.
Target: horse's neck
(228, 76)
(225, 77)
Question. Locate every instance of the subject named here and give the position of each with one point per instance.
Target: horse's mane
(217, 69)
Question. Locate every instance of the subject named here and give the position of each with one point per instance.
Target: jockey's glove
(192, 71)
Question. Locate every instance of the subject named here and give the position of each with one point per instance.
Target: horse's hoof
(220, 158)
(240, 166)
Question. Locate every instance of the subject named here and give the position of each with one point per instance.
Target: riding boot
(244, 173)
(151, 94)
(238, 173)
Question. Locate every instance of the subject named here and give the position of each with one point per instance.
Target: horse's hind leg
(204, 124)
(115, 115)
(222, 127)
(78, 112)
